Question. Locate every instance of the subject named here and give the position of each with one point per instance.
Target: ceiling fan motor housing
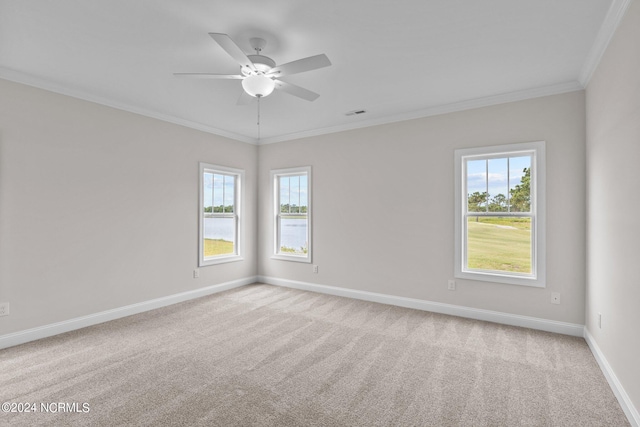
(261, 62)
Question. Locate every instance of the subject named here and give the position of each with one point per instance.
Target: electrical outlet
(315, 268)
(196, 273)
(555, 297)
(4, 308)
(451, 285)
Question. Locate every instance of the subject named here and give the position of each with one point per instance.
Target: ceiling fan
(259, 73)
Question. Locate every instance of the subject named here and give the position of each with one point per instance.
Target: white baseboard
(623, 398)
(436, 307)
(21, 337)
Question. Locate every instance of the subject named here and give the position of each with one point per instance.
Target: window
(500, 207)
(292, 213)
(220, 229)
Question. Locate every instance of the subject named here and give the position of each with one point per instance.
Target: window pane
(294, 194)
(293, 235)
(219, 233)
(304, 198)
(292, 220)
(498, 184)
(218, 193)
(208, 192)
(219, 236)
(220, 219)
(477, 185)
(229, 194)
(519, 183)
(284, 194)
(500, 244)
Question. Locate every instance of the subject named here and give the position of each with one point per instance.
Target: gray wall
(99, 207)
(613, 157)
(384, 206)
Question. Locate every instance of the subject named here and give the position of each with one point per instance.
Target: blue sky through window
(499, 178)
(219, 189)
(293, 191)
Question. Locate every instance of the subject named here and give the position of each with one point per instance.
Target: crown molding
(37, 82)
(611, 22)
(435, 111)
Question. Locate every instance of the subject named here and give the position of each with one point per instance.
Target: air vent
(355, 112)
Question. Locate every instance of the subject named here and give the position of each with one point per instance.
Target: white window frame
(275, 190)
(538, 210)
(237, 214)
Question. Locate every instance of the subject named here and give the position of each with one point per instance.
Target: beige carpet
(268, 356)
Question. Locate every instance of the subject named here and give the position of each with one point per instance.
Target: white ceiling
(395, 59)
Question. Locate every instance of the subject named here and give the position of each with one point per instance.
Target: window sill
(501, 278)
(220, 260)
(295, 258)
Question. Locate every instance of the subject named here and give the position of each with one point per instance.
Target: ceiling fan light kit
(258, 85)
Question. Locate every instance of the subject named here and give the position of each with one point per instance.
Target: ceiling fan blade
(245, 99)
(233, 50)
(298, 91)
(209, 75)
(301, 65)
